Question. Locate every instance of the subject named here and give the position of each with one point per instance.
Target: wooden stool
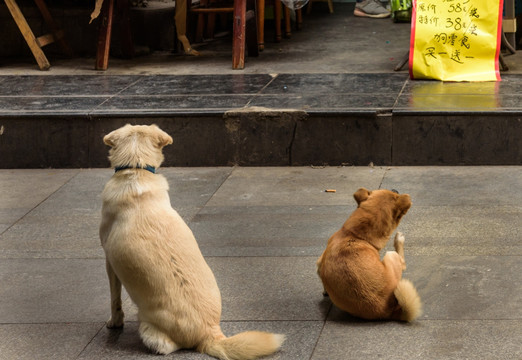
(37, 43)
(330, 5)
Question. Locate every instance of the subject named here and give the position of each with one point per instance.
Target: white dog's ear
(162, 138)
(111, 138)
(361, 195)
(114, 136)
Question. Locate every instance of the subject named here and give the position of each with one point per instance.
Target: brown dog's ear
(361, 195)
(403, 205)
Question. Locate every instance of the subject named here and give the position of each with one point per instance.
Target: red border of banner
(412, 36)
(499, 38)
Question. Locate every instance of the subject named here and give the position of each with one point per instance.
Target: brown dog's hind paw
(398, 243)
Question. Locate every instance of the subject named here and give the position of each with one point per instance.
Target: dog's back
(156, 257)
(151, 250)
(351, 269)
(353, 276)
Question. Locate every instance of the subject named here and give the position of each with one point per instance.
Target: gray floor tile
(45, 341)
(64, 226)
(295, 186)
(450, 186)
(67, 85)
(468, 287)
(10, 216)
(301, 336)
(53, 291)
(192, 188)
(282, 288)
(81, 195)
(462, 230)
(22, 190)
(48, 236)
(469, 339)
(267, 230)
(463, 287)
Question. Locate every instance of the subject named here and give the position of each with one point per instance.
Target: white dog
(153, 253)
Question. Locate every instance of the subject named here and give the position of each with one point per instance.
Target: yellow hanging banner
(456, 40)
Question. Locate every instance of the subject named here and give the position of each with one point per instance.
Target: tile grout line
(210, 198)
(320, 332)
(261, 91)
(40, 203)
(90, 342)
(112, 96)
(384, 176)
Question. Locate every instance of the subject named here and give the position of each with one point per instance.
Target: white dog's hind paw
(115, 323)
(156, 340)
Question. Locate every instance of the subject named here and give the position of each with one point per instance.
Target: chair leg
(200, 28)
(28, 35)
(330, 6)
(277, 20)
(288, 24)
(57, 33)
(260, 9)
(104, 35)
(211, 26)
(238, 36)
(123, 11)
(252, 41)
(299, 19)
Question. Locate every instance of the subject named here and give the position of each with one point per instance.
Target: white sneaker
(371, 9)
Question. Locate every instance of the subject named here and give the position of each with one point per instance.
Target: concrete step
(258, 119)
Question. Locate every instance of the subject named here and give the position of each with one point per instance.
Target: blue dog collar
(150, 168)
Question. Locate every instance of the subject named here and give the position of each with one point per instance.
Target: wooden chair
(37, 43)
(244, 33)
(122, 8)
(330, 5)
(280, 11)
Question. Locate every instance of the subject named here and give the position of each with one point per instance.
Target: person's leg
(370, 8)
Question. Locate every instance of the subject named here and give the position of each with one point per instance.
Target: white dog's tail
(409, 301)
(244, 346)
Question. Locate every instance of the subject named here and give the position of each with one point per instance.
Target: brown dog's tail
(244, 346)
(409, 301)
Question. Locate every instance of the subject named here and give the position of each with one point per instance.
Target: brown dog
(351, 270)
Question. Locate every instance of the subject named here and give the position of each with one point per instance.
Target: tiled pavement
(261, 231)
